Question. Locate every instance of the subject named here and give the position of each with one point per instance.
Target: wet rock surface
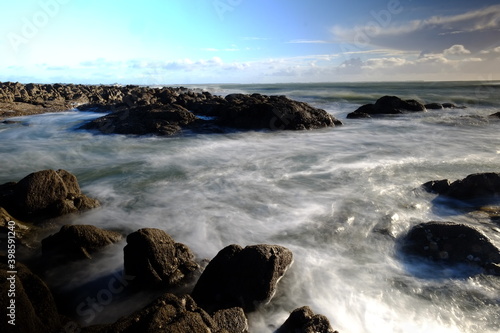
(242, 277)
(173, 314)
(76, 242)
(391, 105)
(387, 105)
(156, 260)
(479, 186)
(303, 320)
(451, 243)
(45, 194)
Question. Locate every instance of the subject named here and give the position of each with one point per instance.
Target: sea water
(339, 198)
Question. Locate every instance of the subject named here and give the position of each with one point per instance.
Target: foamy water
(337, 197)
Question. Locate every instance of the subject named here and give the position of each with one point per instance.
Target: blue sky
(248, 41)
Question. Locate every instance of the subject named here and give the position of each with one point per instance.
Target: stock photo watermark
(224, 6)
(31, 25)
(381, 19)
(11, 273)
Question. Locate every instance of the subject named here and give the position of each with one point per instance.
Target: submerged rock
(172, 314)
(387, 105)
(452, 243)
(76, 242)
(156, 260)
(35, 308)
(303, 320)
(477, 186)
(242, 277)
(45, 194)
(495, 115)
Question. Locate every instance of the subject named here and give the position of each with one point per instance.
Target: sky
(158, 42)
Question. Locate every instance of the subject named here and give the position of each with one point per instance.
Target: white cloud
(456, 50)
(476, 29)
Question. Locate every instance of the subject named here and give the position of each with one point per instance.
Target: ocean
(339, 198)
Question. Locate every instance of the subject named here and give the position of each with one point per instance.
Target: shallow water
(336, 197)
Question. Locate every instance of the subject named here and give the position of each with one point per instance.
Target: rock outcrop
(141, 120)
(242, 277)
(479, 186)
(303, 320)
(387, 105)
(76, 242)
(35, 309)
(173, 314)
(451, 243)
(44, 194)
(156, 260)
(163, 111)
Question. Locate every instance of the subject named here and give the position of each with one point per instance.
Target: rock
(303, 320)
(156, 260)
(36, 310)
(451, 243)
(169, 314)
(479, 186)
(387, 105)
(45, 194)
(76, 242)
(245, 278)
(434, 106)
(271, 112)
(150, 119)
(495, 115)
(231, 320)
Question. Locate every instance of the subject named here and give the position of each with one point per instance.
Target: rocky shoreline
(194, 295)
(234, 283)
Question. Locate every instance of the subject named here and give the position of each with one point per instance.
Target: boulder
(387, 105)
(149, 119)
(242, 277)
(495, 115)
(36, 310)
(434, 106)
(156, 260)
(479, 186)
(172, 314)
(76, 242)
(451, 243)
(303, 320)
(271, 112)
(45, 194)
(231, 320)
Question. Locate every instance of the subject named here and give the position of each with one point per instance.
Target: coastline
(119, 104)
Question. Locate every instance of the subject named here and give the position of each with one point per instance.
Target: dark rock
(231, 320)
(271, 112)
(495, 115)
(156, 260)
(303, 320)
(387, 105)
(434, 106)
(45, 194)
(150, 119)
(449, 105)
(36, 310)
(451, 243)
(76, 242)
(244, 278)
(479, 186)
(169, 314)
(437, 186)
